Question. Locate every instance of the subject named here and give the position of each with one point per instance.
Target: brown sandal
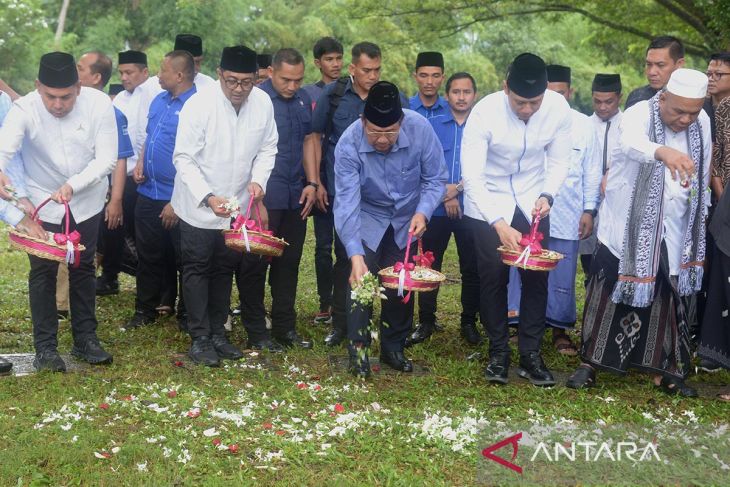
(564, 345)
(724, 396)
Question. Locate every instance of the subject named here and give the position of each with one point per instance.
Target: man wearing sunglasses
(390, 176)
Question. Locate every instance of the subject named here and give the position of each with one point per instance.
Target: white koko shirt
(506, 162)
(79, 149)
(136, 106)
(218, 151)
(635, 149)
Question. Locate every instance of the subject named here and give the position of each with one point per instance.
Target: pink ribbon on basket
(426, 259)
(71, 241)
(244, 223)
(531, 242)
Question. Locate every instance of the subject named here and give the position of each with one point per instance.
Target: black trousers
(436, 239)
(208, 267)
(82, 289)
(396, 318)
(112, 241)
(493, 280)
(341, 286)
(283, 278)
(158, 251)
(324, 234)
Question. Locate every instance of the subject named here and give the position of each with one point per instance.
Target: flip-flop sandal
(565, 346)
(724, 396)
(671, 385)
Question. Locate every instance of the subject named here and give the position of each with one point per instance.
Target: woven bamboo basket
(46, 249)
(544, 260)
(246, 231)
(389, 276)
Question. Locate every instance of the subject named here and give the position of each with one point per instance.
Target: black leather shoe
(533, 369)
(224, 348)
(359, 366)
(203, 352)
(5, 366)
(139, 320)
(583, 378)
(335, 337)
(49, 360)
(397, 361)
(497, 369)
(107, 285)
(90, 351)
(673, 385)
(293, 339)
(265, 344)
(471, 334)
(422, 332)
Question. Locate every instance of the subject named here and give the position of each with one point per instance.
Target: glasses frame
(245, 84)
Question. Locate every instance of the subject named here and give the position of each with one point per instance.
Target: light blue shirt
(9, 213)
(441, 107)
(449, 133)
(376, 190)
(582, 188)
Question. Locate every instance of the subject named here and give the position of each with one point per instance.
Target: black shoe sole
(48, 369)
(78, 355)
(535, 382)
(398, 368)
(201, 362)
(497, 380)
(5, 369)
(236, 356)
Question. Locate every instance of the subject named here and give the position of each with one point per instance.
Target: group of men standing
(373, 168)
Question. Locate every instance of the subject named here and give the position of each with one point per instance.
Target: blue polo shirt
(293, 122)
(159, 171)
(124, 142)
(449, 133)
(439, 108)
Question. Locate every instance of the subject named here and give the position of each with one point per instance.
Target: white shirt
(506, 162)
(613, 142)
(136, 106)
(635, 149)
(203, 80)
(218, 151)
(79, 149)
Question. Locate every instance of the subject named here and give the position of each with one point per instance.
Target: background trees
(480, 36)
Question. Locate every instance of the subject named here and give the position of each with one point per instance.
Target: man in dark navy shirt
(157, 235)
(290, 194)
(664, 55)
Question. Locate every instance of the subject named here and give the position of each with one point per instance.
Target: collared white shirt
(218, 151)
(79, 149)
(136, 106)
(506, 162)
(635, 149)
(600, 127)
(203, 81)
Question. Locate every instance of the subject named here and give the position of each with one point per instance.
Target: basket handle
(533, 229)
(408, 247)
(47, 200)
(258, 212)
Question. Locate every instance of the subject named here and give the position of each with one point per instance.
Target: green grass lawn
(291, 418)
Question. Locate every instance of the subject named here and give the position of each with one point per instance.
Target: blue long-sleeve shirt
(159, 171)
(582, 188)
(449, 133)
(441, 107)
(376, 190)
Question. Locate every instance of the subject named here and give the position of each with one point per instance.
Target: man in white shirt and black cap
(515, 155)
(225, 148)
(651, 240)
(67, 135)
(194, 45)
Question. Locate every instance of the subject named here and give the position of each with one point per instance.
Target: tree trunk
(61, 23)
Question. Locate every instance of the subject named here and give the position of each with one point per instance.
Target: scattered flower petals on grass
(339, 408)
(233, 448)
(193, 413)
(104, 405)
(171, 394)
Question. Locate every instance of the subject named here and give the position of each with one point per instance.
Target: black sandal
(583, 378)
(672, 385)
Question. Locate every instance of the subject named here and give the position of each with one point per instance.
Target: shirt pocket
(409, 180)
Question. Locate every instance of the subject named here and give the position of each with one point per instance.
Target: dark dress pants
(82, 289)
(324, 231)
(396, 318)
(208, 267)
(112, 241)
(158, 252)
(493, 280)
(436, 239)
(283, 278)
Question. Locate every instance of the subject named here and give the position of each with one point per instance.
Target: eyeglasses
(232, 83)
(387, 135)
(716, 75)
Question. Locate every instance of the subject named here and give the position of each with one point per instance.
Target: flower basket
(412, 276)
(60, 247)
(532, 256)
(248, 236)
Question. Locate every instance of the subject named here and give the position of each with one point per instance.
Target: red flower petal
(317, 387)
(106, 454)
(172, 394)
(233, 448)
(376, 368)
(127, 398)
(104, 405)
(267, 426)
(280, 432)
(216, 441)
(178, 363)
(302, 385)
(339, 408)
(193, 414)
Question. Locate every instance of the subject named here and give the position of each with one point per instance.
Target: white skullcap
(688, 83)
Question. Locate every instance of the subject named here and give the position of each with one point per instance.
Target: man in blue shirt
(390, 176)
(157, 234)
(339, 106)
(429, 75)
(290, 195)
(328, 58)
(461, 94)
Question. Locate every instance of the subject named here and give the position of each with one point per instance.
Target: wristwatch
(593, 212)
(312, 183)
(460, 187)
(205, 200)
(548, 197)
